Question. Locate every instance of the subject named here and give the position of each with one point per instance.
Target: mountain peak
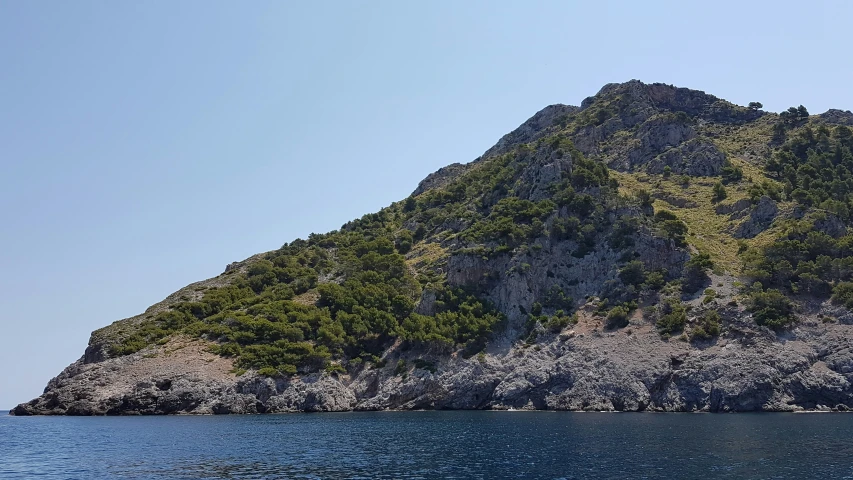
(634, 125)
(635, 94)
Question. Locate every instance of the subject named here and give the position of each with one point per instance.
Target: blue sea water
(451, 444)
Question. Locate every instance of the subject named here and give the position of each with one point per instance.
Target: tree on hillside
(719, 192)
(755, 106)
(793, 115)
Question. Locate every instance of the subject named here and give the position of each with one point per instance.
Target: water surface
(411, 445)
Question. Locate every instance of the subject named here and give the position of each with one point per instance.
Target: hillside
(656, 248)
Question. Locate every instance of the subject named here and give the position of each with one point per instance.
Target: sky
(145, 145)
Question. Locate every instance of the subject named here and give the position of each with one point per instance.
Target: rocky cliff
(620, 255)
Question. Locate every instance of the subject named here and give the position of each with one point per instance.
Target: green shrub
(404, 241)
(694, 272)
(718, 192)
(401, 367)
(335, 368)
(771, 308)
(655, 280)
(672, 318)
(409, 204)
(633, 273)
(842, 294)
(624, 231)
(536, 308)
(268, 372)
(731, 173)
(707, 327)
(671, 226)
(644, 197)
(555, 298)
(617, 317)
(560, 320)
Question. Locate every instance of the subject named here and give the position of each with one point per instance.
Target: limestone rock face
(439, 178)
(838, 117)
(659, 134)
(760, 218)
(831, 225)
(697, 158)
(534, 128)
(736, 209)
(526, 276)
(652, 127)
(541, 173)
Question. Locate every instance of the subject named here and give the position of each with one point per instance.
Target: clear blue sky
(144, 145)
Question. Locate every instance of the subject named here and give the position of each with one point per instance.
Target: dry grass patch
(308, 298)
(708, 231)
(425, 254)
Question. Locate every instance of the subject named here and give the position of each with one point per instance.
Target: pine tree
(719, 192)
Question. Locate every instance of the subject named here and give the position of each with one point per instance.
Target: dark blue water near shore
(430, 445)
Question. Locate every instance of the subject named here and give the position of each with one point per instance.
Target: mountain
(656, 248)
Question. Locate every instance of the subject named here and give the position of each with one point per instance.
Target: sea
(430, 444)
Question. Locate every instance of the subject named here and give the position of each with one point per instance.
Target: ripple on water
(426, 445)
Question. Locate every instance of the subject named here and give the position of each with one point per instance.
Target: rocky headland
(655, 249)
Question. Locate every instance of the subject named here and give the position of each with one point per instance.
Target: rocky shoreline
(582, 369)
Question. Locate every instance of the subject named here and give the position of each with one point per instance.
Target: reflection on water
(429, 445)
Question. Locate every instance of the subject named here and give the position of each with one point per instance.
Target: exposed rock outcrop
(585, 368)
(440, 177)
(534, 128)
(652, 127)
(760, 218)
(698, 158)
(838, 117)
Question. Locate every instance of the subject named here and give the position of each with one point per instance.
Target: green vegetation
(794, 115)
(816, 168)
(814, 255)
(771, 308)
(257, 320)
(672, 318)
(731, 173)
(803, 260)
(633, 273)
(842, 294)
(261, 319)
(719, 192)
(335, 302)
(560, 320)
(671, 226)
(461, 319)
(694, 272)
(707, 327)
(617, 317)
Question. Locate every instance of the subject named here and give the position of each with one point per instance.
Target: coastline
(752, 371)
(392, 411)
